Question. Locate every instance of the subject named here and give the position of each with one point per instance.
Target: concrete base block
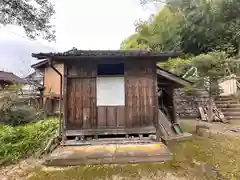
(108, 154)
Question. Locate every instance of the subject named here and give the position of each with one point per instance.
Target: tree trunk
(210, 109)
(210, 103)
(239, 48)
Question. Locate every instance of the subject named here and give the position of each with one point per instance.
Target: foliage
(33, 16)
(178, 65)
(194, 27)
(25, 140)
(14, 110)
(132, 43)
(211, 67)
(20, 115)
(219, 151)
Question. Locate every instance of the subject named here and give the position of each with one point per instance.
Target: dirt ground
(31, 169)
(218, 127)
(20, 170)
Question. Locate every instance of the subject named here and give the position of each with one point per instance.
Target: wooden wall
(140, 99)
(140, 93)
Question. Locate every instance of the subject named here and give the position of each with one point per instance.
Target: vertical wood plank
(129, 105)
(65, 103)
(101, 117)
(111, 117)
(93, 103)
(120, 116)
(134, 107)
(145, 102)
(78, 103)
(70, 103)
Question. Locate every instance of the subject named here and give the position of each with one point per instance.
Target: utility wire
(8, 2)
(34, 41)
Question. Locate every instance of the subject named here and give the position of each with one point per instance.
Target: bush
(18, 115)
(25, 140)
(14, 110)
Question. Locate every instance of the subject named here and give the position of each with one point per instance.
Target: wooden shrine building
(113, 93)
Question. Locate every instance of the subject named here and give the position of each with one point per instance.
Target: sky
(84, 24)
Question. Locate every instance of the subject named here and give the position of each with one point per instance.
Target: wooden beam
(111, 131)
(173, 77)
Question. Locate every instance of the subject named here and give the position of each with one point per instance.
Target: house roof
(10, 77)
(181, 82)
(75, 53)
(40, 64)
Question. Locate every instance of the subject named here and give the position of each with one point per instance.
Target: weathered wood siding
(81, 96)
(140, 93)
(81, 103)
(140, 97)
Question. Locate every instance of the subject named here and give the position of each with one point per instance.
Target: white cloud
(84, 24)
(96, 24)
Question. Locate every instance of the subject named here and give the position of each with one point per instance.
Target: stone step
(234, 109)
(228, 105)
(232, 113)
(109, 154)
(225, 98)
(232, 117)
(226, 102)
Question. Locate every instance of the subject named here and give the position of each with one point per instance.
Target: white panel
(110, 91)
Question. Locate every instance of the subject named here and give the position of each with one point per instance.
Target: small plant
(25, 140)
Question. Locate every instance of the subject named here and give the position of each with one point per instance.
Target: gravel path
(218, 128)
(19, 171)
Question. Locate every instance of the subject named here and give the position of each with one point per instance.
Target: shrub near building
(25, 140)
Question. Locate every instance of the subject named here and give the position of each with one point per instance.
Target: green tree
(33, 16)
(193, 26)
(211, 67)
(133, 42)
(163, 32)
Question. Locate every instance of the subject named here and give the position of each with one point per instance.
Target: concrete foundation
(109, 154)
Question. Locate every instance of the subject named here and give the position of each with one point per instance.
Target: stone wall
(187, 104)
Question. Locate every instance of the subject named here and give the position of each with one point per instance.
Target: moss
(219, 151)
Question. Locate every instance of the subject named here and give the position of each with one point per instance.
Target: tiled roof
(10, 77)
(106, 54)
(39, 64)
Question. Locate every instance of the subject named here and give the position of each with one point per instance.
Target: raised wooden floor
(111, 131)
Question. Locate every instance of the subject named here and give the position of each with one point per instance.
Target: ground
(191, 160)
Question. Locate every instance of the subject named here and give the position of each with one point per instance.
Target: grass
(219, 151)
(25, 140)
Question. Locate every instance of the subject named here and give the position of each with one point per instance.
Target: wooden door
(81, 103)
